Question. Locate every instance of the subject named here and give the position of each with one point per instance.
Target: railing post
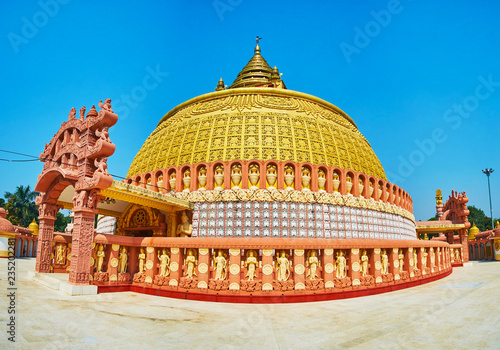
(354, 270)
(328, 268)
(113, 263)
(234, 269)
(203, 268)
(267, 269)
(176, 265)
(299, 269)
(376, 265)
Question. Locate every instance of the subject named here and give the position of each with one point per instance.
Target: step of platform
(45, 279)
(59, 281)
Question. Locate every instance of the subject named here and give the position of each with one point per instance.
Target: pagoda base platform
(274, 297)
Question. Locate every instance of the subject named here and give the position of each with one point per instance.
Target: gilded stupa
(256, 144)
(257, 117)
(251, 193)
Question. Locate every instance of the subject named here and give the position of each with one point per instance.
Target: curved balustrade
(199, 268)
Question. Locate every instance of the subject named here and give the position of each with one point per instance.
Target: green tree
(478, 217)
(21, 206)
(434, 218)
(61, 222)
(2, 202)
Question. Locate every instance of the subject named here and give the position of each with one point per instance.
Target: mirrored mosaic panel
(273, 219)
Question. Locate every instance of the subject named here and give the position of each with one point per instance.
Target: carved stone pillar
(465, 245)
(446, 258)
(267, 270)
(234, 269)
(408, 262)
(151, 263)
(299, 269)
(46, 233)
(354, 270)
(81, 252)
(429, 261)
(450, 237)
(439, 259)
(163, 225)
(133, 260)
(394, 263)
(420, 258)
(203, 268)
(113, 255)
(376, 265)
(175, 267)
(171, 224)
(328, 268)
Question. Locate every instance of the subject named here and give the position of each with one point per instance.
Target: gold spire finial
(258, 73)
(257, 47)
(439, 197)
(220, 85)
(275, 74)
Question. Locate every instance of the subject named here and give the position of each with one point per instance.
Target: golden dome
(34, 228)
(260, 123)
(473, 231)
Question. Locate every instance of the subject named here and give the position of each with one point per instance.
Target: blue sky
(421, 79)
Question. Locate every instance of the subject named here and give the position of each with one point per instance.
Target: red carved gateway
(246, 194)
(76, 156)
(451, 226)
(455, 209)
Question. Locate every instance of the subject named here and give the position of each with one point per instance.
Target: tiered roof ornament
(257, 73)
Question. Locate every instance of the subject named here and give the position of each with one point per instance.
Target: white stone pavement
(461, 311)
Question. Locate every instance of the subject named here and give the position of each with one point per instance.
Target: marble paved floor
(461, 311)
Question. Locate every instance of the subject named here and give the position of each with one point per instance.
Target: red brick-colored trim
(276, 297)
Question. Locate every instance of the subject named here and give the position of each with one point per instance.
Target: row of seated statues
(254, 179)
(282, 264)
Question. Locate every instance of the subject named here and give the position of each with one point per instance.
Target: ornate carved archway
(455, 210)
(76, 156)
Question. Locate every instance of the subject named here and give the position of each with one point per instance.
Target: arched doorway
(25, 248)
(30, 248)
(488, 251)
(19, 247)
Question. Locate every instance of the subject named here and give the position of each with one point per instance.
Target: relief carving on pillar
(86, 199)
(47, 210)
